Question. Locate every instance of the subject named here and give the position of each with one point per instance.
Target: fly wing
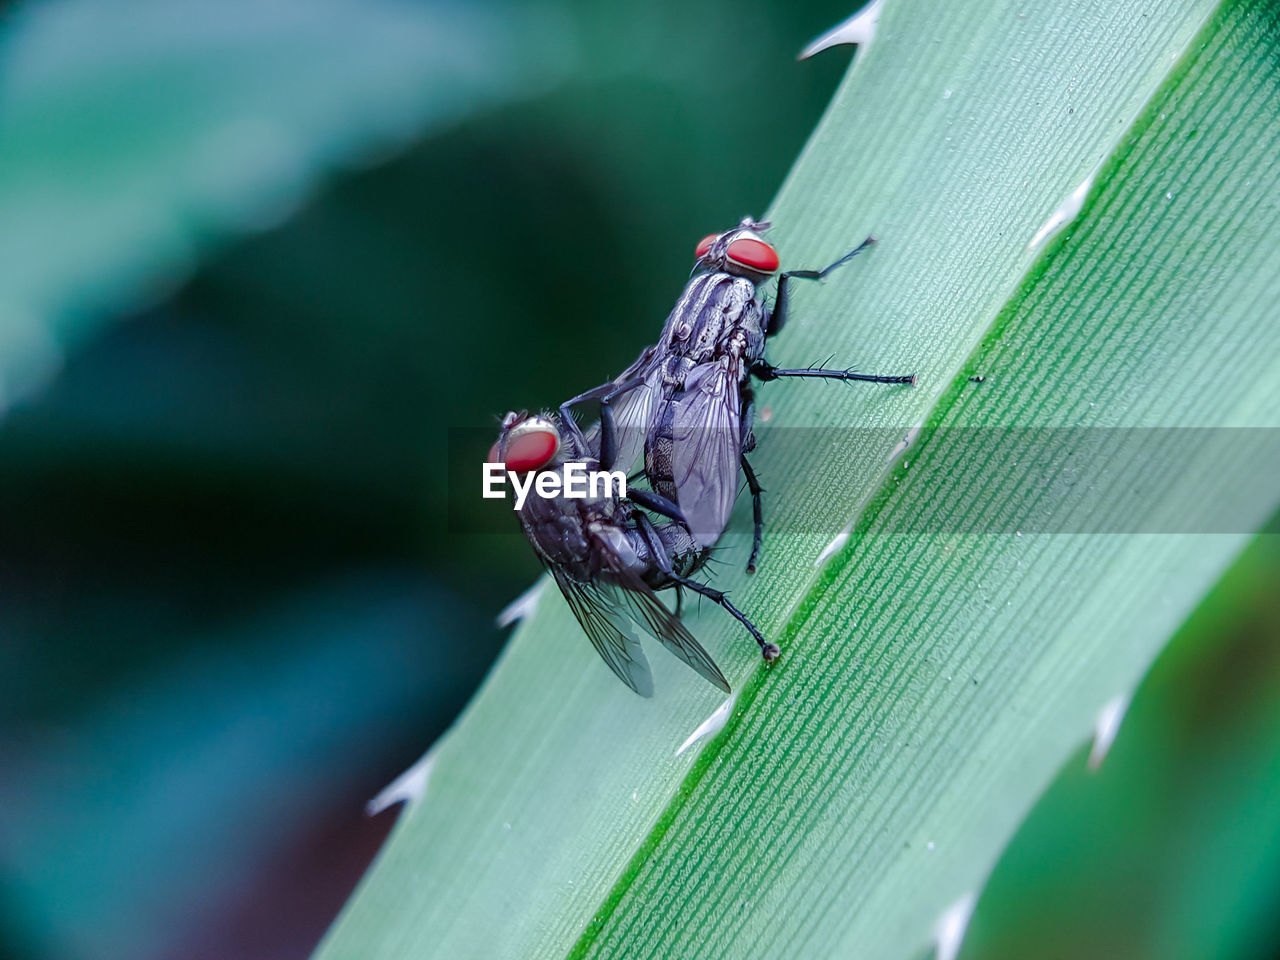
(597, 615)
(706, 437)
(647, 610)
(632, 415)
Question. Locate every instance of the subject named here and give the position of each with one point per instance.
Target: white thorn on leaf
(948, 933)
(710, 726)
(836, 545)
(406, 788)
(1067, 211)
(522, 607)
(858, 29)
(1105, 728)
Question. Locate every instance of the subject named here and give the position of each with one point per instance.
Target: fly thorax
(698, 320)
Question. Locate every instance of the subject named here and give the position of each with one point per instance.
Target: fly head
(741, 251)
(527, 442)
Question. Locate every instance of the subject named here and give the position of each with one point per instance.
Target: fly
(687, 401)
(608, 558)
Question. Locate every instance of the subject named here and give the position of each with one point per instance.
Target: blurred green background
(231, 605)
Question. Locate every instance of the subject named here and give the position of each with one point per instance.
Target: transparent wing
(596, 614)
(706, 435)
(632, 415)
(647, 610)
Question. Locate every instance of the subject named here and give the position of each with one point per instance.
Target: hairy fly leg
(657, 549)
(767, 371)
(757, 513)
(770, 651)
(658, 504)
(753, 484)
(567, 420)
(606, 393)
(782, 305)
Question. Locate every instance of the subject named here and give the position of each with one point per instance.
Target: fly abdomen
(659, 451)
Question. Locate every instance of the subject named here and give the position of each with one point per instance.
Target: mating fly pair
(686, 404)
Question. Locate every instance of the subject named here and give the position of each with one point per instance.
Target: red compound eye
(753, 254)
(494, 456)
(531, 450)
(704, 245)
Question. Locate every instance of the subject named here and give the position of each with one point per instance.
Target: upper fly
(687, 401)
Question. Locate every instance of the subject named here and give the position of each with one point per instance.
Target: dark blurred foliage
(232, 609)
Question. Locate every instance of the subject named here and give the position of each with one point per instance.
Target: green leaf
(135, 133)
(1022, 565)
(1113, 862)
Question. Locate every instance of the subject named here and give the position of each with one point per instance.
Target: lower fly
(608, 557)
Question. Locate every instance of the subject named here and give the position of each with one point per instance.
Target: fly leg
(770, 651)
(757, 513)
(608, 433)
(606, 393)
(658, 504)
(657, 549)
(658, 554)
(570, 423)
(567, 419)
(749, 444)
(781, 305)
(767, 371)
